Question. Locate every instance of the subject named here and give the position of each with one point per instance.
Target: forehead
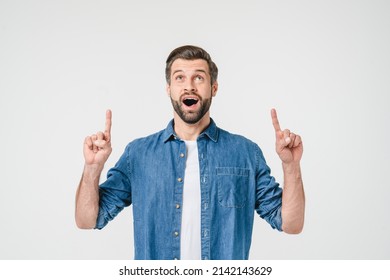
(189, 65)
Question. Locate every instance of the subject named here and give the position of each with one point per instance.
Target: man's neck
(190, 132)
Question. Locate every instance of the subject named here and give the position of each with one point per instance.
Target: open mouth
(190, 101)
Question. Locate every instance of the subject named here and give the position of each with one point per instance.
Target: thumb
(283, 143)
(100, 143)
(285, 138)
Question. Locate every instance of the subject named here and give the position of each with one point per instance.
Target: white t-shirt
(190, 239)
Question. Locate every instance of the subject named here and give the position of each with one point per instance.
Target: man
(194, 187)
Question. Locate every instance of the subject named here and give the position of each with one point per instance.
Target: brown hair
(190, 53)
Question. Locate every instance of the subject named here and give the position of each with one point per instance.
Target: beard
(192, 116)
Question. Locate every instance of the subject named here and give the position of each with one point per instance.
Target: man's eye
(199, 78)
(179, 78)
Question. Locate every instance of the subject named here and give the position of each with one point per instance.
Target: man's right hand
(97, 147)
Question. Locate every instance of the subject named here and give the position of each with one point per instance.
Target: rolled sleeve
(268, 194)
(114, 193)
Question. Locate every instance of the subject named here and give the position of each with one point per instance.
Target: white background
(325, 66)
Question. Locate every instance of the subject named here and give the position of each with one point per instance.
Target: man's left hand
(288, 144)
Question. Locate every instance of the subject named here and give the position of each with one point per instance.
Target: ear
(168, 89)
(214, 89)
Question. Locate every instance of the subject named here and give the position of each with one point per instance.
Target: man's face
(190, 90)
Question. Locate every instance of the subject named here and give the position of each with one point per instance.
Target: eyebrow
(197, 70)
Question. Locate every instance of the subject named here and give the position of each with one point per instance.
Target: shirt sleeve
(115, 192)
(268, 193)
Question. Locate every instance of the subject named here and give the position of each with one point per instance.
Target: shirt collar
(211, 132)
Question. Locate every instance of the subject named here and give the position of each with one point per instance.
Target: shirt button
(179, 179)
(176, 233)
(181, 155)
(177, 206)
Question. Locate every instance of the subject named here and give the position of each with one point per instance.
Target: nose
(189, 86)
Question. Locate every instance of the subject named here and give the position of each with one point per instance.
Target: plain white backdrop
(324, 65)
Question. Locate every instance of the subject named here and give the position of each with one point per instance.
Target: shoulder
(239, 142)
(232, 138)
(146, 141)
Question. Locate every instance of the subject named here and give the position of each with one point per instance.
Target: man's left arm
(290, 149)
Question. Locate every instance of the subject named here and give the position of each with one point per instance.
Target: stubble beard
(192, 117)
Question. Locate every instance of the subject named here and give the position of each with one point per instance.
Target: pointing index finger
(275, 120)
(107, 131)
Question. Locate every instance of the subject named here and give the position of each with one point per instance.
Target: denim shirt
(235, 182)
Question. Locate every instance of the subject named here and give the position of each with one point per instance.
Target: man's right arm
(97, 149)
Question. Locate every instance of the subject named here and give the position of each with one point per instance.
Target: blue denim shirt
(235, 182)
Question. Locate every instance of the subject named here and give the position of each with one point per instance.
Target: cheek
(207, 91)
(173, 92)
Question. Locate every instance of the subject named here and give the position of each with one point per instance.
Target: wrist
(92, 172)
(291, 168)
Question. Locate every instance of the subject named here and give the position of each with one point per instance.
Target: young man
(194, 187)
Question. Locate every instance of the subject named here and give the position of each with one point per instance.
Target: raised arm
(97, 149)
(290, 149)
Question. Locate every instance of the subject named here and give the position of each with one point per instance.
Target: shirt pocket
(232, 184)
